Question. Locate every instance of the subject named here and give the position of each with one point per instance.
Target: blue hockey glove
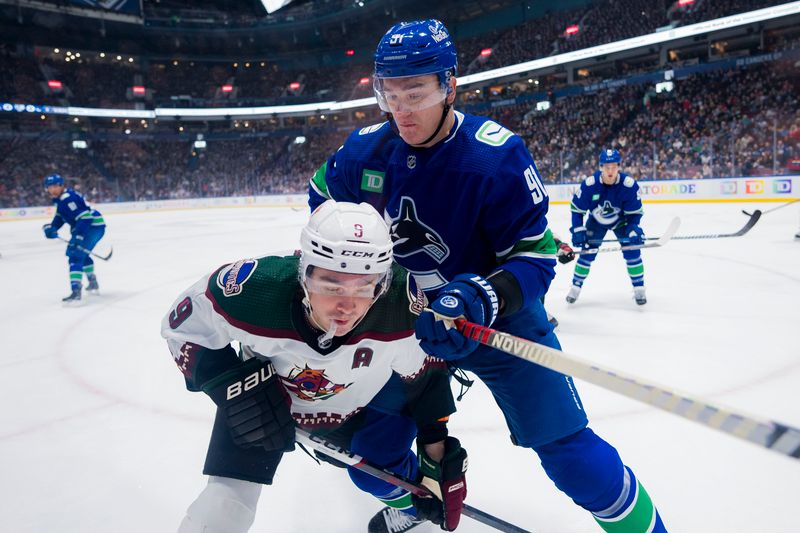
(578, 236)
(75, 246)
(448, 483)
(468, 295)
(634, 234)
(50, 232)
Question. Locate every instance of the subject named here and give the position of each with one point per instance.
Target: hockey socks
(633, 512)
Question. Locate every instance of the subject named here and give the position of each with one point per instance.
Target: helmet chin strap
(445, 111)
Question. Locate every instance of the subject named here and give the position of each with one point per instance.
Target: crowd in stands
(104, 82)
(720, 123)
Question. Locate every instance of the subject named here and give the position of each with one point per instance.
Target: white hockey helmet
(346, 237)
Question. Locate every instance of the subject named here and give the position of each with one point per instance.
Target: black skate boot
(390, 520)
(74, 297)
(639, 295)
(92, 286)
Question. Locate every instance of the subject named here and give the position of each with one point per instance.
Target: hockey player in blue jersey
(607, 200)
(87, 228)
(467, 212)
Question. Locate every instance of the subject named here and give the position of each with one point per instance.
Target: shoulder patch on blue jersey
(372, 180)
(493, 134)
(232, 278)
(629, 181)
(590, 181)
(371, 129)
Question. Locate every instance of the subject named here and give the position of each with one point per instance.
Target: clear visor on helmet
(410, 93)
(340, 284)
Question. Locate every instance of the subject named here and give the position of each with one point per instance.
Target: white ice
(98, 434)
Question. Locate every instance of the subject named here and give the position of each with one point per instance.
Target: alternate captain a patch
(232, 278)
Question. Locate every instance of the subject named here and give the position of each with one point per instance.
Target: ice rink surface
(98, 433)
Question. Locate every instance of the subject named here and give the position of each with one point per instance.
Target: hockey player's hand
(634, 234)
(256, 406)
(578, 236)
(75, 243)
(565, 253)
(50, 232)
(469, 296)
(446, 479)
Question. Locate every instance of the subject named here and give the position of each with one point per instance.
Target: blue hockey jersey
(72, 209)
(608, 205)
(469, 204)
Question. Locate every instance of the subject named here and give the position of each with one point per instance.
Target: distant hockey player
(609, 199)
(320, 336)
(467, 212)
(87, 228)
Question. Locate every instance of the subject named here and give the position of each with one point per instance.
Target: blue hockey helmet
(609, 156)
(53, 179)
(411, 49)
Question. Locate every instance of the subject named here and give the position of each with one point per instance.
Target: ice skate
(73, 298)
(93, 286)
(553, 320)
(390, 520)
(573, 294)
(639, 295)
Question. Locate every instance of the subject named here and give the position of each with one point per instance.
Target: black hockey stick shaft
(774, 208)
(356, 461)
(775, 436)
(754, 217)
(88, 251)
(658, 241)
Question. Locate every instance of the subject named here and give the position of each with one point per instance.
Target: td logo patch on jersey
(232, 279)
(410, 235)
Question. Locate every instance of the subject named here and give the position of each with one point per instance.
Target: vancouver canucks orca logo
(410, 235)
(606, 214)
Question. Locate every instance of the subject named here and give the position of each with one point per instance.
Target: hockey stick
(658, 241)
(88, 251)
(744, 229)
(774, 208)
(768, 434)
(358, 462)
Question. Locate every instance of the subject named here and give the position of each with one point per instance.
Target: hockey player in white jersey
(320, 337)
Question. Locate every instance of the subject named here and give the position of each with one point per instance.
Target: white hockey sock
(225, 506)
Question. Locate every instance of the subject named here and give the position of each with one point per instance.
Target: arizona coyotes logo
(410, 235)
(311, 384)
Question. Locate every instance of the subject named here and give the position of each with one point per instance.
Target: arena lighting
(641, 41)
(363, 81)
(294, 85)
(227, 88)
(486, 52)
(138, 89)
(572, 30)
(350, 52)
(54, 84)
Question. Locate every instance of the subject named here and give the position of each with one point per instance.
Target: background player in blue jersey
(467, 212)
(87, 228)
(609, 199)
